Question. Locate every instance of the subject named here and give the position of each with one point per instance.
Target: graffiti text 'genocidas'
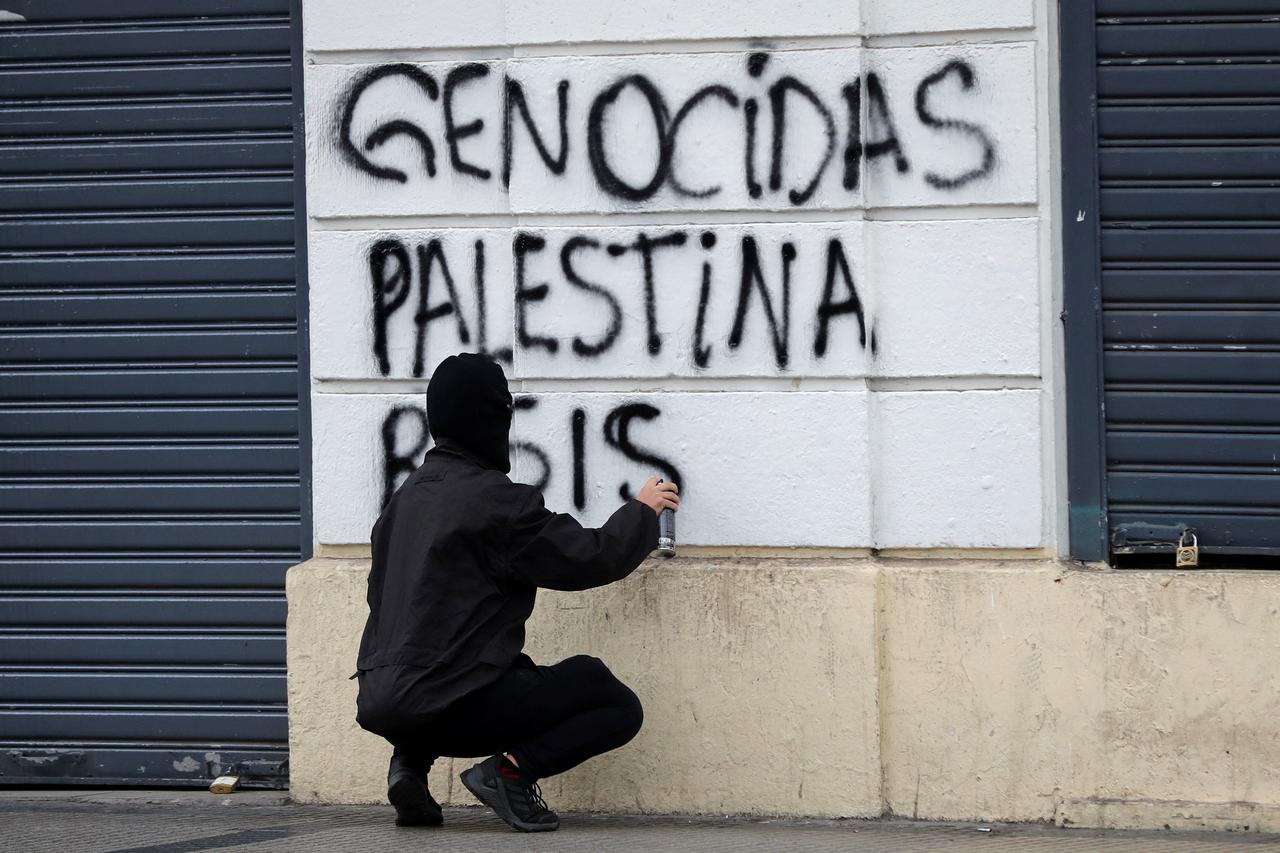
(755, 288)
(778, 111)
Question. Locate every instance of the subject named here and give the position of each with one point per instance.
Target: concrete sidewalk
(65, 821)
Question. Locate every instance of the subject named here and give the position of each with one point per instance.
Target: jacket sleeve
(552, 550)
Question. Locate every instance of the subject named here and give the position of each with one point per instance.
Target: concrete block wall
(935, 689)
(801, 249)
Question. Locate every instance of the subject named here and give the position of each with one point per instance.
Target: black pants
(551, 718)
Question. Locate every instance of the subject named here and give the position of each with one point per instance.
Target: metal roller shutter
(1188, 165)
(151, 474)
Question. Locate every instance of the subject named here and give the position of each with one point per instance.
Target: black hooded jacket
(458, 555)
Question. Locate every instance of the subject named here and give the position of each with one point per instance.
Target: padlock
(1188, 551)
(225, 784)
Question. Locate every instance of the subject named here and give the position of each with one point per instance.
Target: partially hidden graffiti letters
(406, 436)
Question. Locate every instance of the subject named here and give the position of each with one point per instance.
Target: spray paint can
(667, 532)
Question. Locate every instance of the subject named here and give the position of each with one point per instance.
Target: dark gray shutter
(1188, 127)
(151, 478)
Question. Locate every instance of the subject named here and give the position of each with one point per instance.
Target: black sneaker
(407, 791)
(516, 801)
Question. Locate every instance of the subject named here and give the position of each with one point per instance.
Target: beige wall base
(947, 689)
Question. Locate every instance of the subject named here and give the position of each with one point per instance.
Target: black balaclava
(468, 403)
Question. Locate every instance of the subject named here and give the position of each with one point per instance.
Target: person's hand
(658, 495)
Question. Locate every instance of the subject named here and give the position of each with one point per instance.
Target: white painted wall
(898, 407)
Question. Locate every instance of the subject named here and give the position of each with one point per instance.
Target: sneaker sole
(412, 806)
(494, 800)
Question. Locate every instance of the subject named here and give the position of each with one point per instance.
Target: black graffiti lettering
(391, 286)
(514, 100)
(398, 462)
(610, 336)
(523, 245)
(503, 354)
(750, 109)
(701, 351)
(604, 174)
(482, 308)
(723, 93)
(428, 257)
(544, 461)
(880, 118)
(853, 144)
(454, 132)
(383, 132)
(405, 436)
(967, 79)
(392, 278)
(753, 279)
(865, 140)
(579, 426)
(647, 246)
(617, 434)
(851, 304)
(525, 403)
(778, 101)
(400, 127)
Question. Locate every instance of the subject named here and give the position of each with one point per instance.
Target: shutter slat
(115, 534)
(1209, 163)
(132, 42)
(1196, 204)
(156, 306)
(1176, 406)
(1238, 80)
(124, 494)
(1190, 286)
(144, 571)
(1227, 38)
(190, 116)
(140, 346)
(154, 723)
(246, 230)
(1226, 328)
(1194, 8)
(1194, 490)
(265, 384)
(149, 611)
(194, 155)
(29, 646)
(156, 422)
(120, 460)
(140, 11)
(145, 81)
(139, 269)
(1192, 245)
(1150, 448)
(1175, 366)
(1172, 123)
(163, 687)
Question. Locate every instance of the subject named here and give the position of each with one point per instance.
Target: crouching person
(458, 555)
